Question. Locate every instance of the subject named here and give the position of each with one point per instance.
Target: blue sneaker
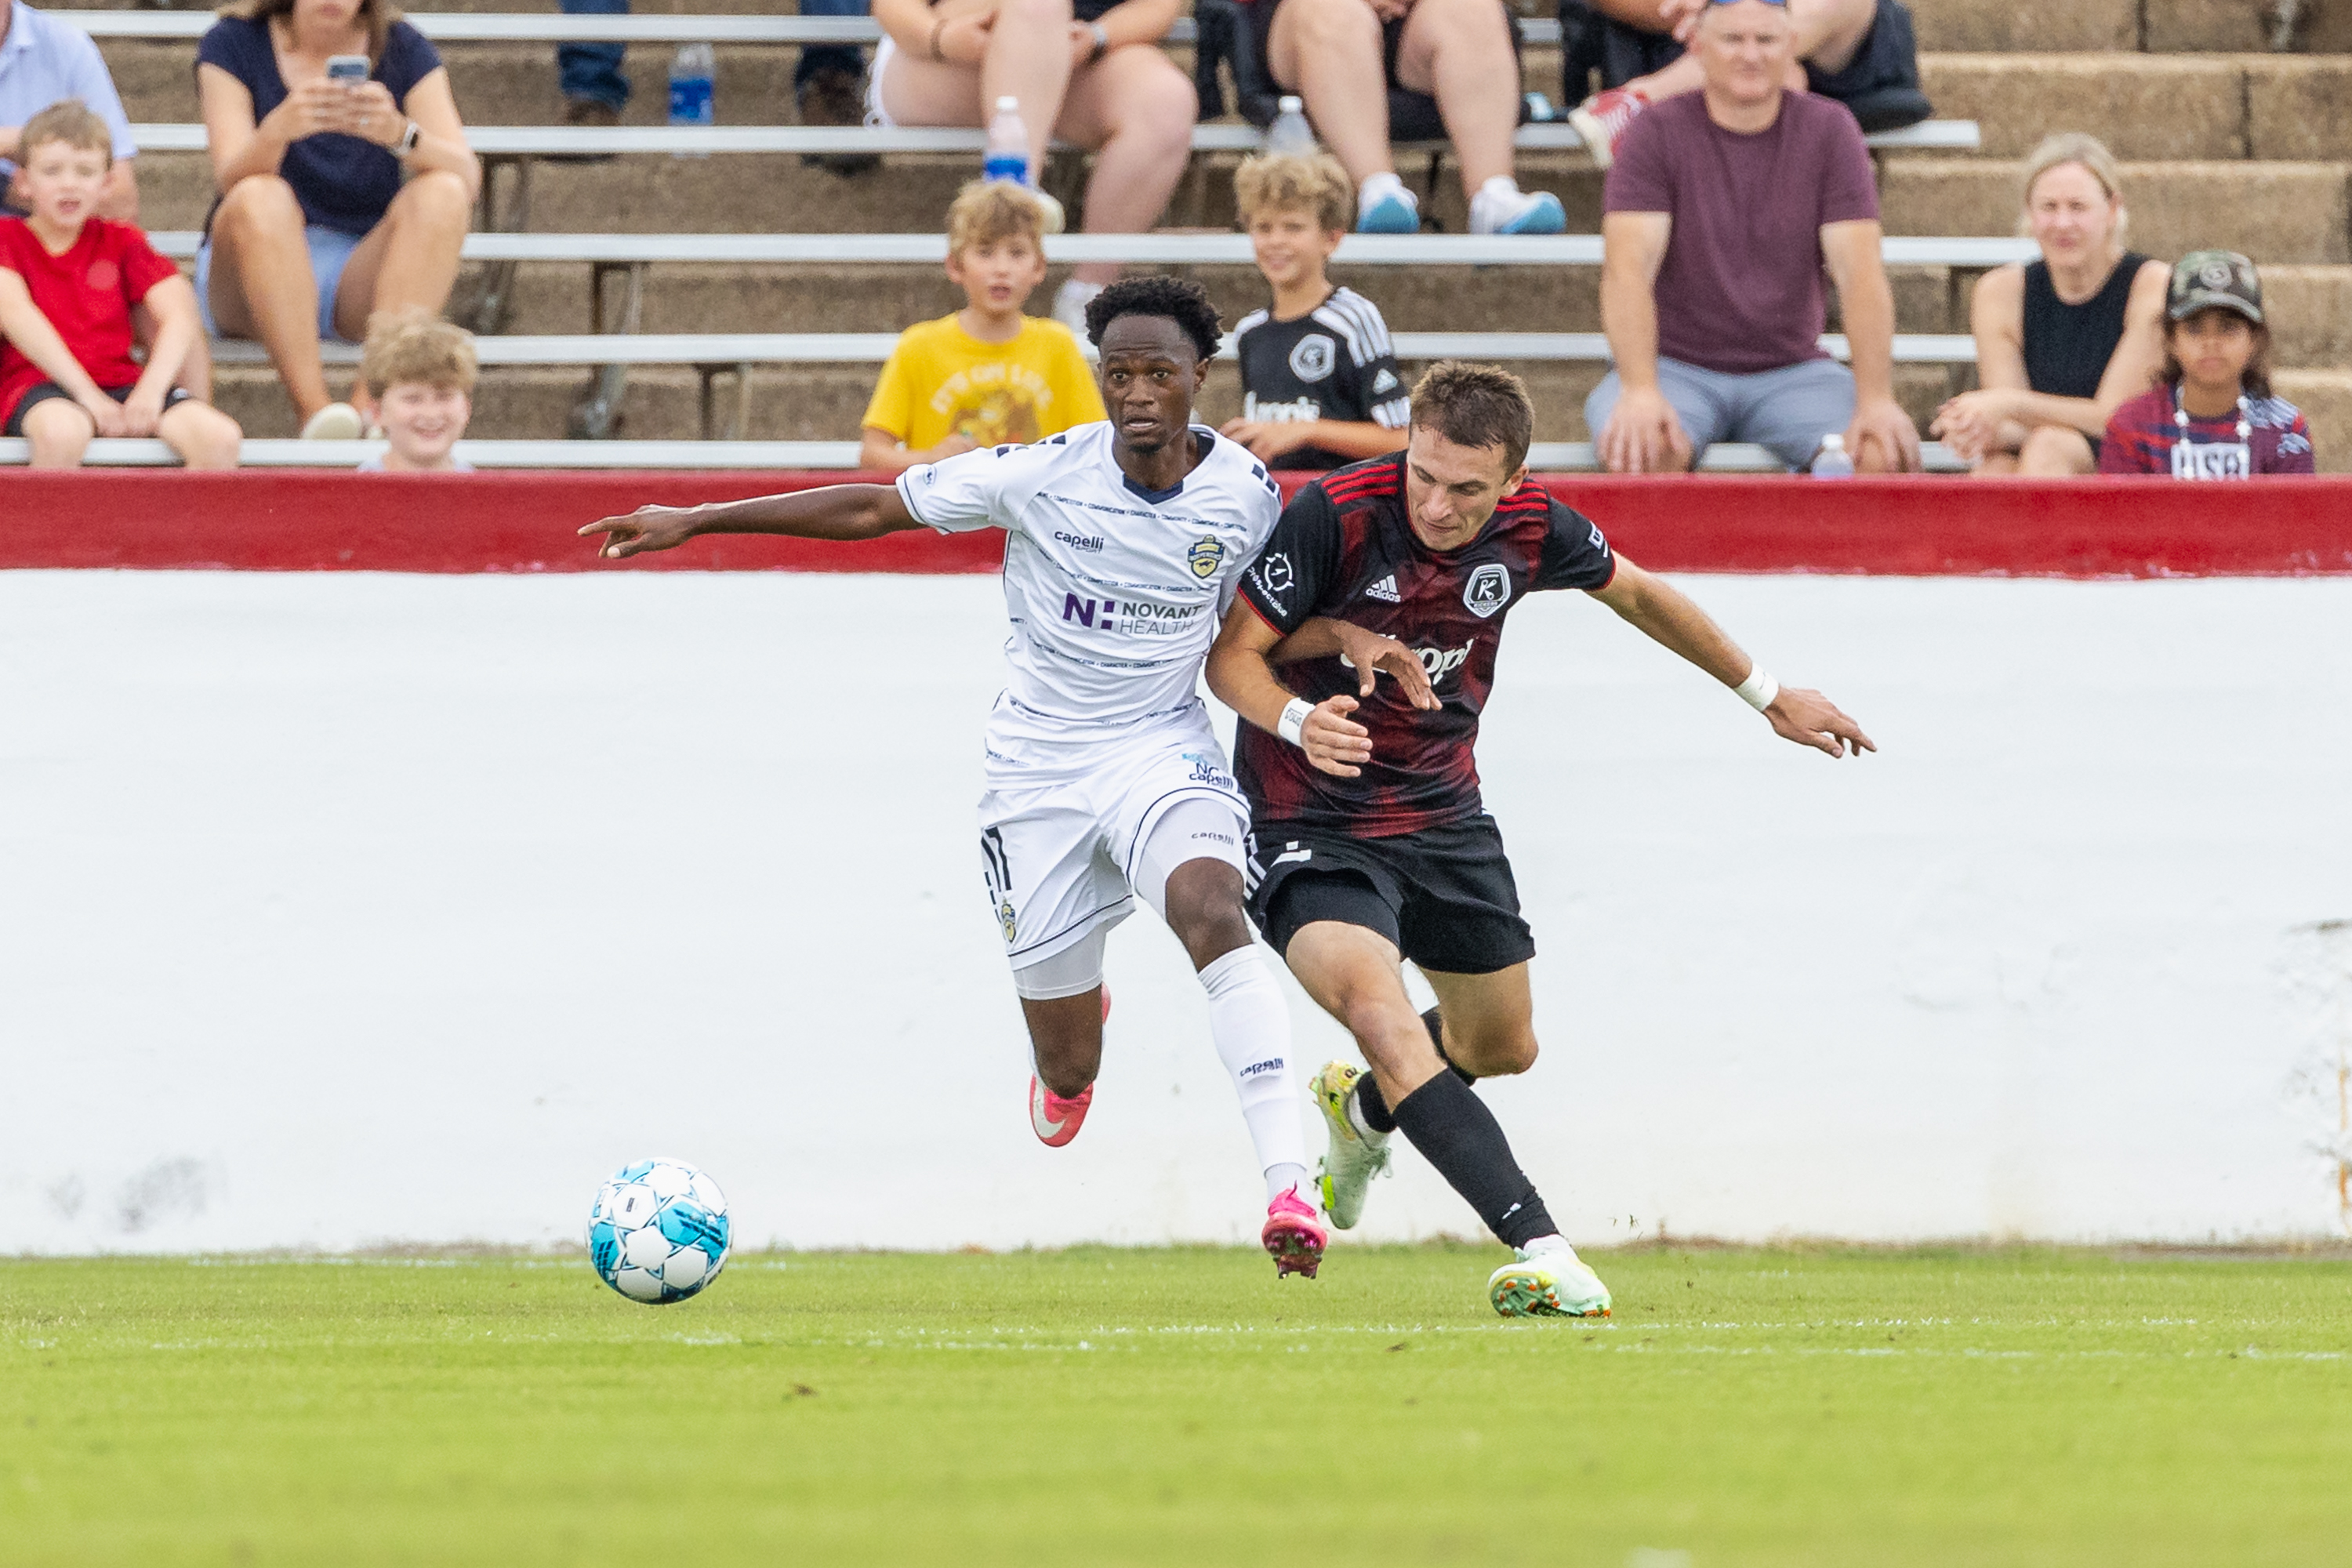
(1510, 210)
(1394, 212)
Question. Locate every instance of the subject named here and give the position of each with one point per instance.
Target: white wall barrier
(347, 909)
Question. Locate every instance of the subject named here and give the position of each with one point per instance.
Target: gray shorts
(1787, 410)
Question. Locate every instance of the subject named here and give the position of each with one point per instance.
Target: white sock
(1501, 188)
(1554, 1242)
(1250, 1023)
(1375, 186)
(1281, 1179)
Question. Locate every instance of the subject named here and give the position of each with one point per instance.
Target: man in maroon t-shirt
(1720, 212)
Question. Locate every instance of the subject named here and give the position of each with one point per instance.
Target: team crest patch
(1488, 589)
(1005, 918)
(1313, 358)
(1206, 556)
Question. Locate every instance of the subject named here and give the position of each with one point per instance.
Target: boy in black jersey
(1319, 383)
(1369, 844)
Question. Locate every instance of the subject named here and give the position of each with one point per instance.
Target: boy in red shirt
(68, 281)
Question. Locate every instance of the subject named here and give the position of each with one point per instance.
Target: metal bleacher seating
(613, 344)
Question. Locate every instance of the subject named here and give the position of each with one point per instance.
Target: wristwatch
(407, 142)
(1102, 41)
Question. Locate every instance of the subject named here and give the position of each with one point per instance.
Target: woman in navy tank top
(2064, 342)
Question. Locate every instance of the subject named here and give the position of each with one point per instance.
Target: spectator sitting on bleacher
(987, 374)
(45, 61)
(1095, 75)
(1319, 382)
(1862, 53)
(2062, 342)
(68, 281)
(1719, 218)
(2212, 414)
(416, 376)
(338, 199)
(1342, 57)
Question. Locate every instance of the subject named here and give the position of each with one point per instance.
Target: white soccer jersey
(1114, 592)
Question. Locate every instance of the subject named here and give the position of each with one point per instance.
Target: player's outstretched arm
(844, 513)
(1244, 682)
(1367, 653)
(1673, 619)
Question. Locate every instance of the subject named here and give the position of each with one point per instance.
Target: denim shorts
(330, 252)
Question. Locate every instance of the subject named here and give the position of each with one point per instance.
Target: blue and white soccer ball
(659, 1231)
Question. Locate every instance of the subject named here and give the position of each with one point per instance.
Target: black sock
(1436, 1029)
(1455, 1132)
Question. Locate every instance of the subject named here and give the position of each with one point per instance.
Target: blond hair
(71, 121)
(376, 16)
(1313, 182)
(989, 212)
(417, 346)
(2072, 147)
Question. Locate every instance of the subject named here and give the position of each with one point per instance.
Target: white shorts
(1060, 837)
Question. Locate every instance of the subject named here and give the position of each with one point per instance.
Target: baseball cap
(2215, 280)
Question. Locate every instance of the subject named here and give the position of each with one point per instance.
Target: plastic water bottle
(1291, 136)
(1008, 144)
(1831, 462)
(692, 88)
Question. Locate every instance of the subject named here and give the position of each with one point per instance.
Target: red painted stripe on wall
(263, 521)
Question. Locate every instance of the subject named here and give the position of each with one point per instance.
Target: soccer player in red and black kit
(1369, 844)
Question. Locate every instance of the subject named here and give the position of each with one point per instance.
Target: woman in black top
(338, 199)
(2064, 342)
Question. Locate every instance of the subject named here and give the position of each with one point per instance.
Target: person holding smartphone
(346, 186)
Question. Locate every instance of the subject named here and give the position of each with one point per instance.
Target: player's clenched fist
(1333, 741)
(648, 528)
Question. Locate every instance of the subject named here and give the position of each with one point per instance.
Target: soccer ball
(657, 1232)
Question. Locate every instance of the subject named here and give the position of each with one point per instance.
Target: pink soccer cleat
(1293, 1237)
(1602, 120)
(1057, 1120)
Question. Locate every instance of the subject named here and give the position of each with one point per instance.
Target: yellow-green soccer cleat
(1354, 1157)
(1553, 1283)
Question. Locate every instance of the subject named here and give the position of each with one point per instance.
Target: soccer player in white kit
(1123, 542)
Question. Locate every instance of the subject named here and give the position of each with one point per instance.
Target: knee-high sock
(1251, 1025)
(1455, 1132)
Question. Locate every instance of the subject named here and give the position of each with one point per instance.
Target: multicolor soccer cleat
(1354, 1159)
(1292, 1235)
(1554, 1283)
(1057, 1120)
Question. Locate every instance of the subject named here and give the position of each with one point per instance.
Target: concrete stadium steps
(824, 403)
(2155, 27)
(2311, 305)
(2278, 213)
(2143, 106)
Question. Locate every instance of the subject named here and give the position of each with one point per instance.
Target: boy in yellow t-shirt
(987, 375)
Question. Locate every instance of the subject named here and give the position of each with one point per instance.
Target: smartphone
(349, 69)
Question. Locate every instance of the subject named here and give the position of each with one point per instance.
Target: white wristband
(1292, 725)
(1759, 689)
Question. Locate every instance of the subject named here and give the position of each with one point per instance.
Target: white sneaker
(1553, 1283)
(1501, 207)
(1355, 1156)
(335, 422)
(1070, 305)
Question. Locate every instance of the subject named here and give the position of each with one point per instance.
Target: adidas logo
(1385, 588)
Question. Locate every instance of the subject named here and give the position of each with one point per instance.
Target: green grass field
(1793, 1406)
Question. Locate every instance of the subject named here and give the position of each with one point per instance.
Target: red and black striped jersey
(1346, 550)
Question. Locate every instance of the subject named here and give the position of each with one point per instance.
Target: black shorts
(1444, 896)
(42, 391)
(1412, 116)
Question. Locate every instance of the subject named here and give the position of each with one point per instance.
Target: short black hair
(1180, 300)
